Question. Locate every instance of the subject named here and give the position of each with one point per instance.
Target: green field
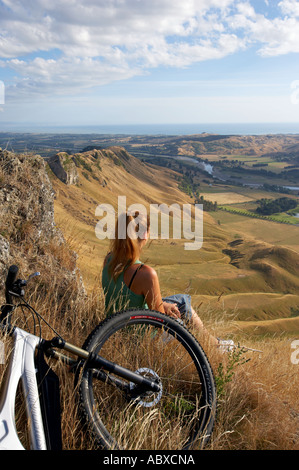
(248, 210)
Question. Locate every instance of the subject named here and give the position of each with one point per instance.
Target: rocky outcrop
(4, 255)
(26, 196)
(64, 168)
(28, 234)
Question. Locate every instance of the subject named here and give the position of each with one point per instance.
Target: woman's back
(118, 293)
(123, 262)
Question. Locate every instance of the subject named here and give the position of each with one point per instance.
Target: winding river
(208, 167)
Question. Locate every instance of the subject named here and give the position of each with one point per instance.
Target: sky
(105, 62)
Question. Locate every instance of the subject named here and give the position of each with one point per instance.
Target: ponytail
(125, 247)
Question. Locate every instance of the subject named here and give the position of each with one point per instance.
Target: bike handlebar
(13, 287)
(6, 310)
(10, 279)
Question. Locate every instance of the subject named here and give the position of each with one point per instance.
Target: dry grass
(226, 197)
(58, 294)
(73, 325)
(258, 403)
(257, 392)
(258, 409)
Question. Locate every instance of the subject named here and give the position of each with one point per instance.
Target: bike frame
(28, 365)
(22, 367)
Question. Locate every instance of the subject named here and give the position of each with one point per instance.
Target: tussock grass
(258, 409)
(257, 402)
(257, 390)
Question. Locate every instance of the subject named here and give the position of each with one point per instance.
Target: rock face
(64, 168)
(26, 198)
(4, 254)
(28, 234)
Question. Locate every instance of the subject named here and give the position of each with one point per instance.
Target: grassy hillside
(101, 180)
(243, 282)
(240, 268)
(257, 391)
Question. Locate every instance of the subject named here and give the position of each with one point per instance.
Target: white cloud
(64, 75)
(275, 36)
(289, 7)
(106, 41)
(281, 37)
(91, 28)
(97, 42)
(246, 9)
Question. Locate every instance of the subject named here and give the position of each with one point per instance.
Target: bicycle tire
(180, 416)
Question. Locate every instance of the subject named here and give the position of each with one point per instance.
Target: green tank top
(118, 296)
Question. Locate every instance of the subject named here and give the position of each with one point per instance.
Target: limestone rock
(28, 233)
(64, 168)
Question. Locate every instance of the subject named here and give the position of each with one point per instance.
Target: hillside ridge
(48, 224)
(225, 266)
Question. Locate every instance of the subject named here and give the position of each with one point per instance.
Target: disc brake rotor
(149, 398)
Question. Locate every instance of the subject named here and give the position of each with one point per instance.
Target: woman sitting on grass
(128, 283)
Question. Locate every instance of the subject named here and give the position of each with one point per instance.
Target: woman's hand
(171, 310)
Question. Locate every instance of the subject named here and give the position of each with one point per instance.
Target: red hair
(125, 250)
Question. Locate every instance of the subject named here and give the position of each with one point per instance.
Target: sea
(157, 129)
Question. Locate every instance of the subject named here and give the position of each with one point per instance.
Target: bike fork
(21, 366)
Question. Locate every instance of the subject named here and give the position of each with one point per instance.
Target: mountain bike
(139, 373)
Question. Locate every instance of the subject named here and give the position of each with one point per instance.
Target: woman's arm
(152, 293)
(149, 281)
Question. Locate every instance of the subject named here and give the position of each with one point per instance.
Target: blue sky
(147, 62)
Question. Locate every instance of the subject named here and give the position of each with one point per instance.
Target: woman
(128, 283)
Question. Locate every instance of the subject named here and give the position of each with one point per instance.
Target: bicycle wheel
(180, 416)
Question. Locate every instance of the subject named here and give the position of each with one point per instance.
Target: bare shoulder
(148, 273)
(149, 284)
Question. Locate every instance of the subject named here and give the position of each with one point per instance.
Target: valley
(247, 270)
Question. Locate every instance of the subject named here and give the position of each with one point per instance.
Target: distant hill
(47, 144)
(209, 144)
